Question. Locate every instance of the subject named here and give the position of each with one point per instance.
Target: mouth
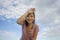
(29, 19)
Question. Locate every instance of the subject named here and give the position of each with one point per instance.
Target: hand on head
(31, 10)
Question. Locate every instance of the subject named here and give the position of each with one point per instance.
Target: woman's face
(30, 18)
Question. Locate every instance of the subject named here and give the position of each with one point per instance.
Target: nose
(29, 17)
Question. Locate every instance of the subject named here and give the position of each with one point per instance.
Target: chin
(29, 22)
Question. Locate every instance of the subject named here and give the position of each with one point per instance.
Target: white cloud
(43, 3)
(20, 7)
(57, 21)
(5, 35)
(9, 11)
(49, 33)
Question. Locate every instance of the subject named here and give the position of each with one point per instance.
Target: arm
(35, 33)
(22, 18)
(35, 36)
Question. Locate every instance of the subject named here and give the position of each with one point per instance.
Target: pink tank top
(28, 34)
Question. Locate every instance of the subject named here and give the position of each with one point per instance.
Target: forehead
(30, 14)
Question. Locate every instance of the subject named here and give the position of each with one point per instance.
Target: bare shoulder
(36, 26)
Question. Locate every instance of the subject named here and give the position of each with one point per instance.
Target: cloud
(10, 11)
(26, 2)
(18, 7)
(47, 11)
(44, 3)
(5, 35)
(49, 33)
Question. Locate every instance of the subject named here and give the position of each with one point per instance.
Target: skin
(29, 18)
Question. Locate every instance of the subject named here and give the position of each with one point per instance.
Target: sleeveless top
(28, 34)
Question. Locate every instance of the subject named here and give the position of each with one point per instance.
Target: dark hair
(26, 23)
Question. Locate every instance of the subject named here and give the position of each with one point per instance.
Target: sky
(47, 18)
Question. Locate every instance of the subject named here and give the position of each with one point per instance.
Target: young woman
(29, 28)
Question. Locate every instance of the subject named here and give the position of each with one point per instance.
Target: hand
(31, 10)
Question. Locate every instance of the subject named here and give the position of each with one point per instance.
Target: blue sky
(47, 17)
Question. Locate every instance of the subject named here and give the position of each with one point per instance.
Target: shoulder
(36, 27)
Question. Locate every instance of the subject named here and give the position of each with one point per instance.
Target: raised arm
(35, 33)
(22, 18)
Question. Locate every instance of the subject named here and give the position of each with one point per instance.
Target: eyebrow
(30, 14)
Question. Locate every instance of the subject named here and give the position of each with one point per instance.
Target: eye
(31, 16)
(29, 13)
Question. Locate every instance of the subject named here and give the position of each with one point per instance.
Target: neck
(30, 24)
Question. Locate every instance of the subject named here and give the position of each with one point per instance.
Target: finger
(33, 9)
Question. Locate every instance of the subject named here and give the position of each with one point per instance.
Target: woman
(29, 28)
